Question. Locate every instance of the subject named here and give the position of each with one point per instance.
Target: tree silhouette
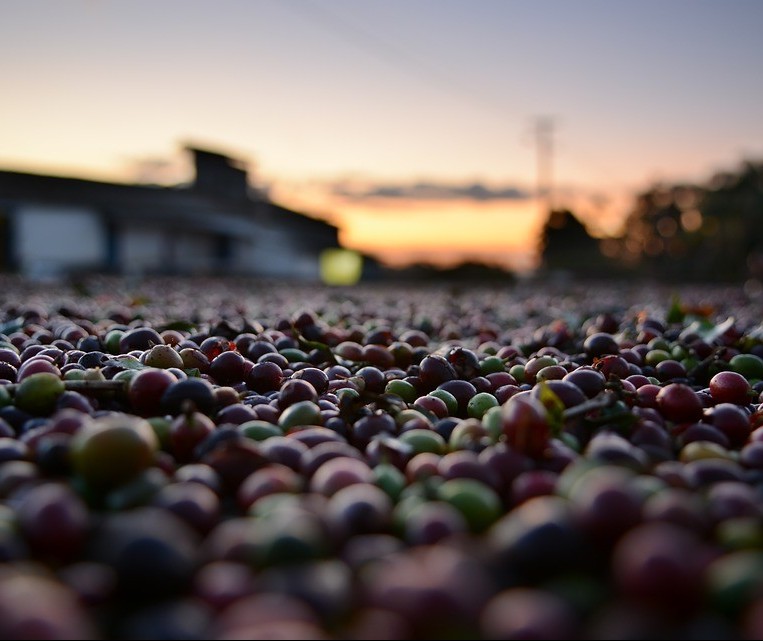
(711, 232)
(567, 248)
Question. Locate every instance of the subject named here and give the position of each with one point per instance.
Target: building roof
(217, 201)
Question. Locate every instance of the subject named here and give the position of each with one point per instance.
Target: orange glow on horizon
(440, 232)
(444, 231)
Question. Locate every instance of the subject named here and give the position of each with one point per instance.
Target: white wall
(194, 253)
(273, 252)
(141, 250)
(50, 239)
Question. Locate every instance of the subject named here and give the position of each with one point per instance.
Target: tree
(567, 248)
(711, 232)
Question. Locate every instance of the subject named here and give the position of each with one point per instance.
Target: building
(217, 225)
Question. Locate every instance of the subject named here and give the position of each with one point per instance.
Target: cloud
(431, 191)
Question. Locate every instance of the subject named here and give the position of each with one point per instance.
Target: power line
(544, 132)
(391, 54)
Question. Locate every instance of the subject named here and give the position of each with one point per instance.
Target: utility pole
(544, 131)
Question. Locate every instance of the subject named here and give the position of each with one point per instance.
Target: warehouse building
(216, 225)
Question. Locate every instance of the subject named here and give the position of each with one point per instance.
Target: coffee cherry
(678, 402)
(730, 387)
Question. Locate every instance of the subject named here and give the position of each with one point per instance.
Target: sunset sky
(411, 124)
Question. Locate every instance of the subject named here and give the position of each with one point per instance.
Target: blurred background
(493, 138)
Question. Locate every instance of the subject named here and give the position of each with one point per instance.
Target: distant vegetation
(467, 272)
(708, 233)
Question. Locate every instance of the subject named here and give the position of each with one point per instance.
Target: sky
(413, 125)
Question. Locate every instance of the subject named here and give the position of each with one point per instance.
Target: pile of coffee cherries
(230, 460)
